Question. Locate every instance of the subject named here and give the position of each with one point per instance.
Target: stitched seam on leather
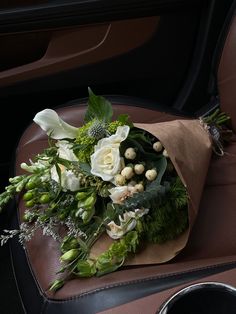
(120, 284)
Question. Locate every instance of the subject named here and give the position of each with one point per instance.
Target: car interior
(155, 60)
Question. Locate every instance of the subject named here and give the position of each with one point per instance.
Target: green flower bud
(69, 255)
(81, 196)
(86, 268)
(30, 203)
(28, 196)
(88, 203)
(62, 216)
(44, 199)
(57, 284)
(32, 183)
(88, 214)
(69, 243)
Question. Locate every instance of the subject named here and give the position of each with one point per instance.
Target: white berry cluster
(134, 174)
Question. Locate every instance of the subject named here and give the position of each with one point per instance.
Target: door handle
(72, 48)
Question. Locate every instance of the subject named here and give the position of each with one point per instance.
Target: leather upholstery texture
(227, 74)
(211, 247)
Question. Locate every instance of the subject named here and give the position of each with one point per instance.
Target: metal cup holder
(202, 298)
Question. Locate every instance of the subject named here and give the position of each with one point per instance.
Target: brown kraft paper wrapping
(189, 148)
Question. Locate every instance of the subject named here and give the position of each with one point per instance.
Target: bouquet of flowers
(111, 192)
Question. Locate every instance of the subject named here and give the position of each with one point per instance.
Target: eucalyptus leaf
(99, 108)
(86, 168)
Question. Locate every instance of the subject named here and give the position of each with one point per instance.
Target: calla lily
(54, 126)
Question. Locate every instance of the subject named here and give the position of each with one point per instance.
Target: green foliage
(84, 144)
(115, 256)
(98, 108)
(17, 185)
(169, 218)
(147, 199)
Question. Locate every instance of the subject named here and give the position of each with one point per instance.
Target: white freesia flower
(106, 161)
(65, 151)
(120, 193)
(35, 166)
(54, 126)
(127, 223)
(69, 181)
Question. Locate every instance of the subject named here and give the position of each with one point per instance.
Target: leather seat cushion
(212, 240)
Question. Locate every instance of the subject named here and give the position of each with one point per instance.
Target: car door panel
(73, 48)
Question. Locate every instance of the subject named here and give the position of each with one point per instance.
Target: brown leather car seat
(209, 255)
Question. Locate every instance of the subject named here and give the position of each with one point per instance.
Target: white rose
(106, 161)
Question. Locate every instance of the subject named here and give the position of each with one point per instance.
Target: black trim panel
(83, 12)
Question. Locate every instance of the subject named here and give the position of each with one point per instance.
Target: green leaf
(147, 199)
(56, 285)
(98, 108)
(124, 119)
(85, 167)
(85, 268)
(140, 136)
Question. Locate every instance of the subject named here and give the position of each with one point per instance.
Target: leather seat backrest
(226, 76)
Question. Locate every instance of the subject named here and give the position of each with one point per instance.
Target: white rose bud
(151, 174)
(130, 153)
(139, 169)
(127, 172)
(119, 179)
(139, 187)
(157, 146)
(165, 153)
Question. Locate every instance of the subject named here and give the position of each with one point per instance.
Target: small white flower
(65, 151)
(127, 223)
(69, 181)
(35, 166)
(106, 161)
(116, 232)
(54, 126)
(120, 193)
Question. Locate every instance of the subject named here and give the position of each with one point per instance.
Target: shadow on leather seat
(211, 249)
